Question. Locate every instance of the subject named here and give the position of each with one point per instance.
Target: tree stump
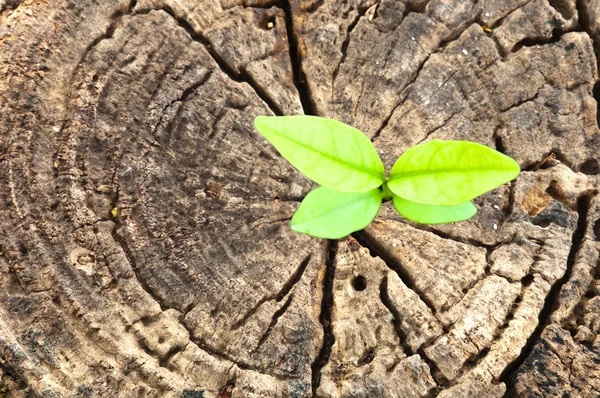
(145, 245)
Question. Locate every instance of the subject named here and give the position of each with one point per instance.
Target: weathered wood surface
(145, 248)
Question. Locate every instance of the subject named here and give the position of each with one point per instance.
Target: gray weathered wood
(145, 247)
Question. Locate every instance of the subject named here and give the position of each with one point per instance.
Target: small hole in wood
(527, 280)
(596, 229)
(359, 283)
(267, 22)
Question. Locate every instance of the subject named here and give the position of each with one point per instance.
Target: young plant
(431, 183)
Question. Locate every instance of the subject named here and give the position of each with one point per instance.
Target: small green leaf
(329, 152)
(449, 172)
(333, 215)
(432, 214)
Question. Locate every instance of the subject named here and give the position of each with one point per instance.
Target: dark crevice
(366, 358)
(9, 367)
(500, 21)
(224, 357)
(249, 314)
(404, 95)
(164, 362)
(596, 94)
(542, 164)
(325, 316)
(313, 6)
(501, 51)
(278, 314)
(9, 7)
(437, 375)
(539, 41)
(296, 59)
(563, 159)
(397, 317)
(117, 17)
(185, 96)
(596, 230)
(508, 210)
(498, 141)
(476, 359)
(345, 45)
(377, 251)
(552, 299)
(554, 157)
(359, 283)
(179, 99)
(590, 167)
(295, 278)
(241, 77)
(523, 101)
(283, 292)
(447, 236)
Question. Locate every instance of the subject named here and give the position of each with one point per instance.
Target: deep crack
(552, 299)
(377, 251)
(325, 316)
(397, 317)
(241, 77)
(296, 59)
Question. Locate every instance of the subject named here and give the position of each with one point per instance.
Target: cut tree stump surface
(145, 248)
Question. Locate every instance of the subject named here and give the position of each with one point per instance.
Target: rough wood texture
(145, 248)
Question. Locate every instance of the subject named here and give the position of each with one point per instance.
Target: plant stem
(386, 193)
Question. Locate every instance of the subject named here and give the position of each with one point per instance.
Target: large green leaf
(432, 214)
(329, 152)
(333, 215)
(449, 172)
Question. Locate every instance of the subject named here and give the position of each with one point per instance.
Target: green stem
(385, 192)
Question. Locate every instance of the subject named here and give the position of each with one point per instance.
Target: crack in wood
(344, 50)
(327, 304)
(164, 362)
(242, 77)
(185, 97)
(224, 357)
(551, 302)
(182, 99)
(449, 236)
(274, 319)
(478, 358)
(376, 250)
(397, 317)
(439, 378)
(557, 34)
(403, 95)
(296, 59)
(287, 287)
(500, 21)
(117, 18)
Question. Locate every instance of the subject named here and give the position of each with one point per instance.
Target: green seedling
(431, 183)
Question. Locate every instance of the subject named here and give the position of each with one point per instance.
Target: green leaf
(449, 172)
(432, 214)
(329, 152)
(333, 215)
